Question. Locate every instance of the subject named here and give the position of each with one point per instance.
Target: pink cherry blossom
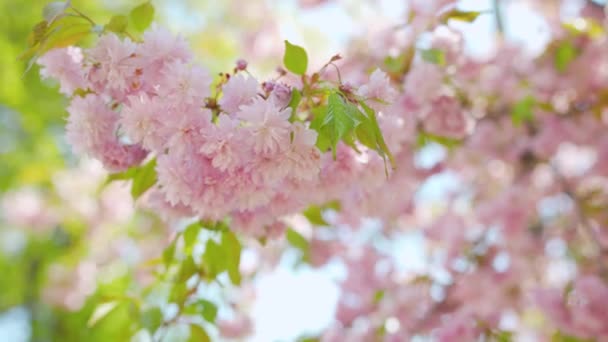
(268, 125)
(446, 118)
(239, 90)
(65, 65)
(113, 62)
(224, 145)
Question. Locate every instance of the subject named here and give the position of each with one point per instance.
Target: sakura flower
(179, 176)
(90, 124)
(65, 65)
(143, 120)
(238, 327)
(239, 90)
(303, 158)
(422, 83)
(458, 327)
(185, 131)
(281, 94)
(185, 84)
(446, 118)
(378, 88)
(117, 157)
(268, 124)
(223, 144)
(161, 47)
(113, 63)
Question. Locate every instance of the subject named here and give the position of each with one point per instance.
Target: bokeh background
(65, 239)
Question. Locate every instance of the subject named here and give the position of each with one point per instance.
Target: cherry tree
(307, 158)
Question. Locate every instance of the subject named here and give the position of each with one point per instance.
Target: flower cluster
(233, 152)
(521, 228)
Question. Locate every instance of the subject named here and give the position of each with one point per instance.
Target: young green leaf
(142, 16)
(323, 143)
(187, 269)
(190, 236)
(215, 259)
(152, 318)
(371, 114)
(143, 179)
(117, 24)
(101, 311)
(204, 308)
(232, 250)
(298, 241)
(314, 215)
(586, 26)
(169, 253)
(296, 97)
(434, 56)
(198, 334)
(523, 110)
(295, 58)
(456, 14)
(338, 121)
(565, 53)
(179, 293)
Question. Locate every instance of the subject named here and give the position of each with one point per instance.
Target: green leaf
(523, 110)
(142, 16)
(187, 269)
(152, 318)
(232, 248)
(215, 226)
(62, 32)
(314, 215)
(296, 97)
(434, 56)
(323, 143)
(101, 311)
(198, 334)
(456, 14)
(366, 135)
(295, 58)
(38, 33)
(504, 336)
(424, 138)
(587, 26)
(559, 337)
(565, 53)
(178, 294)
(169, 253)
(371, 114)
(379, 295)
(399, 64)
(203, 307)
(214, 259)
(117, 324)
(190, 236)
(117, 24)
(298, 241)
(144, 179)
(337, 122)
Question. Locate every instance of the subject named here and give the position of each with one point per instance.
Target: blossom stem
(500, 26)
(84, 16)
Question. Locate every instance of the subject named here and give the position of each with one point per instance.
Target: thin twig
(584, 222)
(84, 16)
(500, 25)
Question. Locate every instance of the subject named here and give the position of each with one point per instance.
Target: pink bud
(241, 64)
